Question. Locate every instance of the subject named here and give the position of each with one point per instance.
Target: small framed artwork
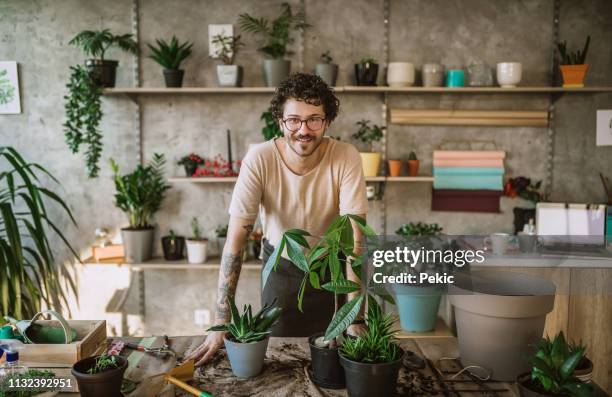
(10, 102)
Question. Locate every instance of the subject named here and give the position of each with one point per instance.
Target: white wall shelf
(212, 263)
(423, 178)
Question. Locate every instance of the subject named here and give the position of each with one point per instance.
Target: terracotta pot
(573, 75)
(413, 167)
(395, 167)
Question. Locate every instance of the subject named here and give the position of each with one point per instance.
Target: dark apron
(284, 284)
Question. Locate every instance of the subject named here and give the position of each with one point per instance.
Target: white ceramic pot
(433, 75)
(400, 74)
(197, 251)
(229, 75)
(509, 74)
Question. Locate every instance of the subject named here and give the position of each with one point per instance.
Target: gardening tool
(36, 333)
(183, 373)
(159, 352)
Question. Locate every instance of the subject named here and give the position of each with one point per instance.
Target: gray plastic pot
(246, 359)
(275, 71)
(328, 72)
(138, 244)
(500, 316)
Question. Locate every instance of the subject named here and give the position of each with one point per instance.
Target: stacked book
(467, 180)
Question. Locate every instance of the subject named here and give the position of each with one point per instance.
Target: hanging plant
(83, 114)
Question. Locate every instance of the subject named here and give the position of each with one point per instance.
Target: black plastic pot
(104, 72)
(103, 384)
(366, 73)
(326, 369)
(529, 388)
(173, 247)
(174, 77)
(364, 379)
(190, 169)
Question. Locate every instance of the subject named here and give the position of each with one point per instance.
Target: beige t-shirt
(336, 186)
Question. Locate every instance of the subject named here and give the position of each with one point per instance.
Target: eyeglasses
(294, 124)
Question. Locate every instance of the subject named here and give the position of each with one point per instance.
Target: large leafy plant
(377, 344)
(29, 273)
(141, 192)
(227, 47)
(276, 34)
(95, 43)
(553, 366)
(328, 256)
(573, 57)
(270, 129)
(368, 134)
(247, 328)
(170, 55)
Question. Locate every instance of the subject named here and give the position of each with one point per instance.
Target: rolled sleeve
(248, 191)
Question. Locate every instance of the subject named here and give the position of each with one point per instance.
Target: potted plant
(366, 71)
(372, 361)
(95, 44)
(413, 164)
(552, 371)
(173, 246)
(191, 162)
(327, 70)
(197, 245)
(247, 337)
(584, 369)
(328, 256)
(270, 129)
(228, 74)
(418, 303)
(368, 135)
(221, 233)
(170, 56)
(395, 167)
(572, 64)
(100, 376)
(276, 36)
(140, 194)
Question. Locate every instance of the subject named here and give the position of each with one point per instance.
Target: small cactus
(412, 156)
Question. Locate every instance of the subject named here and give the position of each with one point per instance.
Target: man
(301, 180)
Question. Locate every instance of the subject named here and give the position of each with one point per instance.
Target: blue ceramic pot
(417, 306)
(455, 78)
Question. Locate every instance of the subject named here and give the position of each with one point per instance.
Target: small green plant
(247, 328)
(412, 156)
(141, 192)
(95, 43)
(377, 344)
(103, 363)
(170, 55)
(271, 129)
(227, 47)
(30, 377)
(553, 366)
(326, 57)
(419, 229)
(368, 134)
(573, 58)
(221, 231)
(195, 229)
(368, 61)
(276, 34)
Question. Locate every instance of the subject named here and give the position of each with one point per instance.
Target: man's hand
(206, 351)
(356, 329)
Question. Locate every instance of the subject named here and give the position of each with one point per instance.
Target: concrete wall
(36, 33)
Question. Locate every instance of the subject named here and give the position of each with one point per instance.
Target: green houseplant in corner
(368, 134)
(29, 272)
(327, 70)
(100, 376)
(247, 337)
(170, 56)
(140, 194)
(277, 37)
(228, 74)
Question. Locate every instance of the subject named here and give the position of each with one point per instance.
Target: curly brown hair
(307, 88)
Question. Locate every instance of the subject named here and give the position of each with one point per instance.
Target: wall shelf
(423, 178)
(212, 263)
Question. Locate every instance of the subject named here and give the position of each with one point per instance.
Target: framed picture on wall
(9, 88)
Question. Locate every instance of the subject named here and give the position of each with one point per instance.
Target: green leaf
(314, 280)
(578, 389)
(569, 365)
(295, 253)
(272, 262)
(301, 292)
(341, 286)
(343, 318)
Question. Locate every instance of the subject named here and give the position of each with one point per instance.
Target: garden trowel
(178, 376)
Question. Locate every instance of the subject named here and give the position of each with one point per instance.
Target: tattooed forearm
(231, 265)
(249, 229)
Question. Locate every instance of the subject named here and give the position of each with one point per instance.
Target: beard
(304, 144)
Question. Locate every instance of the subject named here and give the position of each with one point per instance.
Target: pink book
(476, 163)
(468, 154)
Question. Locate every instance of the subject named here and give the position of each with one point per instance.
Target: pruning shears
(160, 352)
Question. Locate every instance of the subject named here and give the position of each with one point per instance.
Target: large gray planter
(229, 75)
(246, 359)
(276, 71)
(138, 244)
(499, 318)
(328, 72)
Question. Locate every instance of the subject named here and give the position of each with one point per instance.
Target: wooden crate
(90, 340)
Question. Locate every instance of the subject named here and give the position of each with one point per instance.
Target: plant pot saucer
(326, 385)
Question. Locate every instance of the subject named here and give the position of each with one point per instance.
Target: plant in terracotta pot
(413, 164)
(326, 69)
(366, 71)
(372, 361)
(368, 134)
(95, 43)
(221, 233)
(277, 37)
(140, 194)
(395, 167)
(100, 376)
(552, 371)
(173, 246)
(247, 337)
(572, 64)
(170, 56)
(228, 74)
(197, 244)
(191, 162)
